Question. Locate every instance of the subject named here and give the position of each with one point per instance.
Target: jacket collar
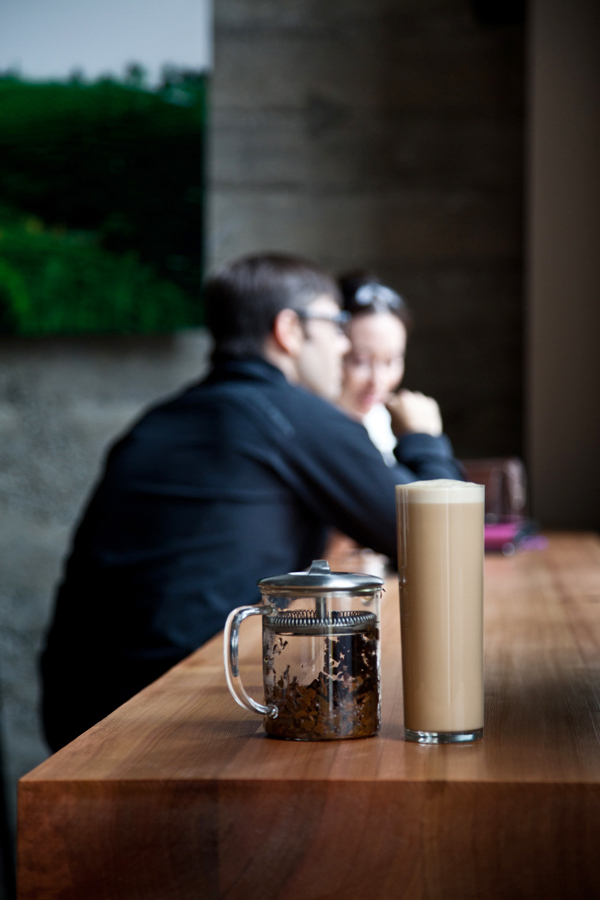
(254, 368)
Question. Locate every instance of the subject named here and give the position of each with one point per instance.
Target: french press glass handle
(231, 638)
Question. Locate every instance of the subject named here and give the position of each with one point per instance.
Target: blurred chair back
(505, 483)
(7, 852)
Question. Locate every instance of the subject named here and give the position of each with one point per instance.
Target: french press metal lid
(320, 578)
(317, 580)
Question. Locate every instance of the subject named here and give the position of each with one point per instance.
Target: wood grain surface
(179, 794)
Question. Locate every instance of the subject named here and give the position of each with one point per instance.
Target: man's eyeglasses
(338, 319)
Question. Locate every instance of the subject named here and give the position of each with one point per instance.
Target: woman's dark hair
(364, 294)
(243, 297)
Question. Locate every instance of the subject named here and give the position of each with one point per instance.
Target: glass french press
(321, 657)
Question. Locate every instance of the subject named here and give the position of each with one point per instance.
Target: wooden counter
(178, 794)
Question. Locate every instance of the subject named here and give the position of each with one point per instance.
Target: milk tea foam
(440, 559)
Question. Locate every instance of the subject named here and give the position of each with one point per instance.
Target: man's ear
(288, 332)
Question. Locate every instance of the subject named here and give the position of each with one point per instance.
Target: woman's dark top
(237, 478)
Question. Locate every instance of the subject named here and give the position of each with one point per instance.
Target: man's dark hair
(243, 297)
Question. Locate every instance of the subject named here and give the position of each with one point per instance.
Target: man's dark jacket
(237, 478)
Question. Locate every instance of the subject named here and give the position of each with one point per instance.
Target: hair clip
(372, 292)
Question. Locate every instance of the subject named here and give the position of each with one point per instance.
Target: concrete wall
(61, 403)
(564, 263)
(386, 134)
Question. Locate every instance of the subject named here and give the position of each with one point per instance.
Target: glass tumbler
(440, 555)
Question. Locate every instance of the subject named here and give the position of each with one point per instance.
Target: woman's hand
(413, 412)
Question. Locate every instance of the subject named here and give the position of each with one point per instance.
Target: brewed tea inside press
(321, 657)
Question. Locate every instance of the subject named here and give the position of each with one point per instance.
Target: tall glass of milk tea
(440, 565)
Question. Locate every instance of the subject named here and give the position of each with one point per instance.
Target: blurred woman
(378, 329)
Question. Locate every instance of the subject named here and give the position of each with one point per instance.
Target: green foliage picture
(101, 194)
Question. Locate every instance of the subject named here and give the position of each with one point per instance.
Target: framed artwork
(101, 203)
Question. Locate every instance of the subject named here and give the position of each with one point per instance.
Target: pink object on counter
(496, 536)
(506, 537)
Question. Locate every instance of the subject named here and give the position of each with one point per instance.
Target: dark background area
(389, 136)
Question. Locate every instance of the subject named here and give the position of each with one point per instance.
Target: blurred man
(237, 478)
